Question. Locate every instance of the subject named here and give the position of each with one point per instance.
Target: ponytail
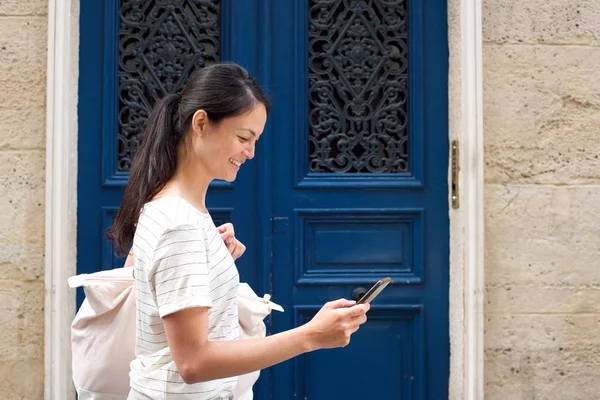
(153, 165)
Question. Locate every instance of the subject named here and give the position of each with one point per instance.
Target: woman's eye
(243, 139)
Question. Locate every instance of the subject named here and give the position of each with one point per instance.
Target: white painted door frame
(466, 324)
(61, 194)
(472, 215)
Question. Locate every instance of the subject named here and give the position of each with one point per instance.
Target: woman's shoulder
(167, 221)
(170, 213)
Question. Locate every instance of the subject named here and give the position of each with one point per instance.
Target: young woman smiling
(188, 343)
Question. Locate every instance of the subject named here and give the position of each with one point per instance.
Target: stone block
(541, 114)
(22, 82)
(542, 236)
(22, 198)
(23, 55)
(542, 298)
(568, 374)
(24, 7)
(547, 356)
(541, 332)
(22, 379)
(23, 127)
(22, 316)
(541, 21)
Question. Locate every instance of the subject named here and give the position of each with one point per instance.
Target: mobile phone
(374, 291)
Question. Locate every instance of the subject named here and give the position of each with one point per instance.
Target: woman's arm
(199, 359)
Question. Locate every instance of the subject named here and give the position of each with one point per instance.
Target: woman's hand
(235, 247)
(335, 323)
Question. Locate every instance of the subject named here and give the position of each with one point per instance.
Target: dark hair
(222, 90)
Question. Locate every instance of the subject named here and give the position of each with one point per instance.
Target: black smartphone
(374, 291)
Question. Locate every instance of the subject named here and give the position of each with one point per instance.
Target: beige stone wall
(23, 26)
(541, 65)
(541, 115)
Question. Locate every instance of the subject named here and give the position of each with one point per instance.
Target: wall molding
(473, 201)
(61, 195)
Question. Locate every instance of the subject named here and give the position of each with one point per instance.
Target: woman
(188, 343)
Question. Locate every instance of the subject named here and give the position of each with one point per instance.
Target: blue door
(361, 148)
(131, 54)
(350, 179)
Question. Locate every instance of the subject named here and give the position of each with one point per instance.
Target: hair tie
(177, 97)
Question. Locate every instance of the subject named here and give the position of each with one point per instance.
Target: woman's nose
(249, 152)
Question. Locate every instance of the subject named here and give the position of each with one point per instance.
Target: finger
(341, 303)
(237, 254)
(240, 245)
(231, 247)
(355, 323)
(358, 310)
(223, 228)
(239, 249)
(361, 319)
(226, 236)
(226, 227)
(353, 328)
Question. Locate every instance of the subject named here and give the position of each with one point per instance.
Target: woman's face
(221, 149)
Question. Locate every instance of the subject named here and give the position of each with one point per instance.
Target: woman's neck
(190, 184)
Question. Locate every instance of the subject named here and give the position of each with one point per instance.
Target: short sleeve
(180, 274)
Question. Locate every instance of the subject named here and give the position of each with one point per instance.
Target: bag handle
(76, 281)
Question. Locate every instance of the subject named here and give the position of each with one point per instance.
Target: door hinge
(280, 224)
(455, 173)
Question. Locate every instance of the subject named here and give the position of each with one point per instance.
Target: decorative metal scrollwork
(358, 86)
(160, 43)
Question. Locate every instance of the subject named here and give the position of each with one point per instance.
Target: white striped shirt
(180, 262)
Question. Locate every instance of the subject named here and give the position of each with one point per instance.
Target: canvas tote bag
(103, 333)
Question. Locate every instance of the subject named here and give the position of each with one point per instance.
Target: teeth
(234, 162)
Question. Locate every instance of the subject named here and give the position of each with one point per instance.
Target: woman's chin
(230, 177)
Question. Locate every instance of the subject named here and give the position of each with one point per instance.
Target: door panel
(132, 53)
(364, 121)
(377, 364)
(343, 245)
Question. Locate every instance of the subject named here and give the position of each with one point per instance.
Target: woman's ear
(199, 122)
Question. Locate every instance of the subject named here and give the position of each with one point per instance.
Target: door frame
(466, 223)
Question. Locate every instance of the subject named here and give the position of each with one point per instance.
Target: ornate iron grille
(160, 43)
(358, 86)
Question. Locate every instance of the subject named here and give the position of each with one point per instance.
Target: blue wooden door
(349, 182)
(132, 53)
(360, 154)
